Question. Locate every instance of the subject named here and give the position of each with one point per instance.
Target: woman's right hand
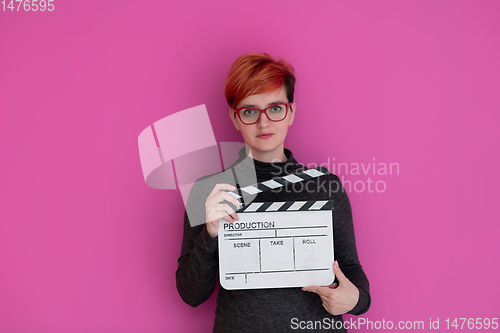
(215, 210)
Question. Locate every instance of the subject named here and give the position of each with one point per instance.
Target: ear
(233, 117)
(293, 107)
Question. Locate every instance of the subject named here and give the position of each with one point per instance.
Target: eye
(248, 112)
(276, 108)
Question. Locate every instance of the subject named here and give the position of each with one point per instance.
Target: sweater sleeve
(345, 248)
(198, 263)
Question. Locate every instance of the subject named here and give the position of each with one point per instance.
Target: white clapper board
(277, 244)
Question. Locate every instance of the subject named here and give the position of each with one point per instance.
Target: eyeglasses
(275, 112)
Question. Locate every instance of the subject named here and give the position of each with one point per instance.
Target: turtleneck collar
(268, 170)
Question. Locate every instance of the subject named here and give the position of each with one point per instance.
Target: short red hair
(256, 73)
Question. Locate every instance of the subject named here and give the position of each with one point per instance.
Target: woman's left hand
(337, 299)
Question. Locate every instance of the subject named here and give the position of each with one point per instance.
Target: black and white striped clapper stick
(286, 206)
(277, 182)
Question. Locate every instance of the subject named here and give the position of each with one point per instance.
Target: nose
(263, 120)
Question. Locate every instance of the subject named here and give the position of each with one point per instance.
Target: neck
(275, 156)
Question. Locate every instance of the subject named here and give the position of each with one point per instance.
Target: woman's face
(265, 148)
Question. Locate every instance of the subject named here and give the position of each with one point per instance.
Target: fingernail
(233, 188)
(336, 263)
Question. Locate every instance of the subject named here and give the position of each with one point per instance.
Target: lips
(265, 135)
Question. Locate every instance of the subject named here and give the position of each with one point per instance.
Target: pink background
(86, 246)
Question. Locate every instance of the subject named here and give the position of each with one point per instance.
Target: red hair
(256, 73)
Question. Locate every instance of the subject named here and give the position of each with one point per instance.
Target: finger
(220, 216)
(217, 197)
(228, 218)
(316, 289)
(338, 273)
(223, 211)
(221, 187)
(219, 212)
(229, 198)
(229, 211)
(225, 186)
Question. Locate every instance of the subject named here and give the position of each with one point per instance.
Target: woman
(259, 91)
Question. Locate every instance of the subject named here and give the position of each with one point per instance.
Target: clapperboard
(277, 244)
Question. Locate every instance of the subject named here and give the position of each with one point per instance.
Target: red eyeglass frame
(237, 111)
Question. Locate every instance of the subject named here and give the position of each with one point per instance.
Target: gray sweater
(268, 310)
